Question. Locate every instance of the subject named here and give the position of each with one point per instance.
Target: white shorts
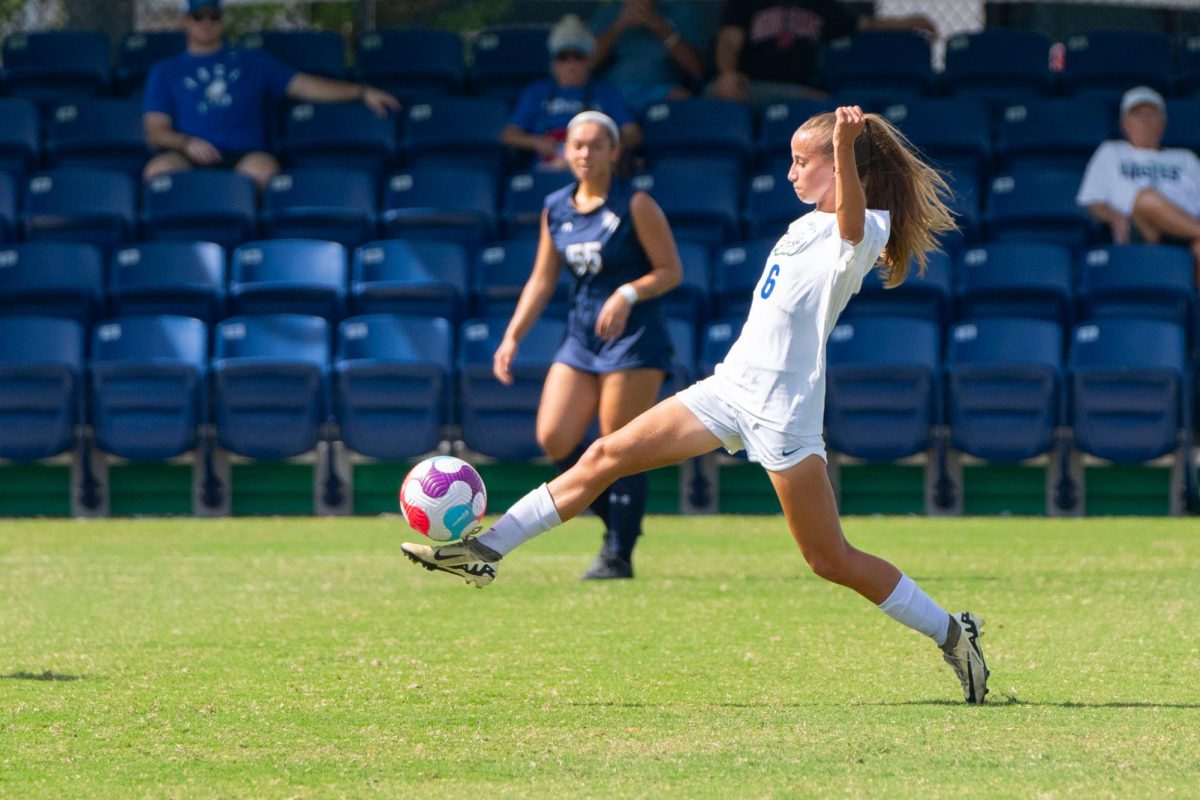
(775, 450)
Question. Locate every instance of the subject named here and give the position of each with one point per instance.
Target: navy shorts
(645, 345)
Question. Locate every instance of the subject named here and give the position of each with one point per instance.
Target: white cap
(571, 34)
(1139, 95)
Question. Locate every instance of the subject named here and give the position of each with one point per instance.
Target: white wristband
(627, 291)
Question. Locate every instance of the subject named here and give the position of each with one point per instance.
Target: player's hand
(1120, 230)
(848, 124)
(502, 361)
(610, 324)
(200, 152)
(380, 101)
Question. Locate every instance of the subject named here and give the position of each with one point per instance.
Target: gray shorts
(775, 450)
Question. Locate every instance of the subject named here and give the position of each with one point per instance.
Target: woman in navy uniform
(616, 352)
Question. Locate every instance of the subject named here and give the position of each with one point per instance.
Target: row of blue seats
(273, 385)
(707, 206)
(960, 133)
(1034, 280)
(502, 61)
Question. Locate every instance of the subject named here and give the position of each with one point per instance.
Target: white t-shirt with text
(775, 371)
(1117, 171)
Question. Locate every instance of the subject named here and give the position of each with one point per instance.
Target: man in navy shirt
(205, 107)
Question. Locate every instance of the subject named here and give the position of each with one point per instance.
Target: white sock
(530, 516)
(910, 606)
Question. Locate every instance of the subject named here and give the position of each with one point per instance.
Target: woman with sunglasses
(538, 125)
(206, 106)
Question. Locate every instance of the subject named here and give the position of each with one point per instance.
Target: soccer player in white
(874, 198)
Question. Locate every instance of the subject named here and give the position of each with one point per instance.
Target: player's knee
(601, 459)
(555, 445)
(829, 565)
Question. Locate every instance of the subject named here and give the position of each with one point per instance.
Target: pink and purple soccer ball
(443, 497)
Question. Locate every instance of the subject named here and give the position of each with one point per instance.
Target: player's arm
(540, 287)
(666, 270)
(315, 89)
(850, 202)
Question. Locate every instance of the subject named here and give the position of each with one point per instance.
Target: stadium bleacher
(372, 279)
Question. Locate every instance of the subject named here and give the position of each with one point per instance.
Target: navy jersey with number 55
(602, 251)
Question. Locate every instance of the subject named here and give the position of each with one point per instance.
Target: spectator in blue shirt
(206, 106)
(650, 50)
(539, 122)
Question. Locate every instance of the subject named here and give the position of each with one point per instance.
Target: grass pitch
(263, 658)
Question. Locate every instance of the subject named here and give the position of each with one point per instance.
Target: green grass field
(264, 658)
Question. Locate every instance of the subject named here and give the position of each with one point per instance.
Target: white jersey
(775, 371)
(1117, 171)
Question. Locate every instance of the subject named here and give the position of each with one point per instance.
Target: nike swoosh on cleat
(437, 556)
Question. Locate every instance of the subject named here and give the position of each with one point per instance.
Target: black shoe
(607, 567)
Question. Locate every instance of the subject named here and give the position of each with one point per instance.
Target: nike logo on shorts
(787, 453)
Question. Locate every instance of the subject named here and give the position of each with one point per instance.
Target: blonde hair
(895, 179)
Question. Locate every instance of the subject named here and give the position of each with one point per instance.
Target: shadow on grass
(1003, 702)
(46, 675)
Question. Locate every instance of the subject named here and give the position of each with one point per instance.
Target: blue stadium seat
(1017, 279)
(1139, 281)
(1107, 63)
(771, 205)
(424, 278)
(964, 205)
(500, 275)
(52, 279)
(456, 132)
(147, 381)
(206, 205)
(719, 336)
(779, 122)
(1183, 128)
(391, 383)
(314, 52)
(178, 278)
(97, 132)
(56, 64)
(506, 60)
(1038, 205)
(954, 133)
(700, 131)
(683, 359)
(525, 198)
(1004, 387)
(691, 300)
(498, 420)
(1130, 392)
(1060, 134)
(41, 377)
(288, 276)
(19, 136)
(80, 204)
(8, 208)
(320, 203)
(270, 384)
(138, 52)
(1188, 79)
(883, 387)
(440, 203)
(736, 272)
(882, 62)
(338, 135)
(701, 205)
(998, 64)
(929, 297)
(414, 63)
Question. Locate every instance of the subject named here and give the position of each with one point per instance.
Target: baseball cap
(570, 34)
(195, 5)
(1139, 95)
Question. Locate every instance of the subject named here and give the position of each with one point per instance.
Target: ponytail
(895, 179)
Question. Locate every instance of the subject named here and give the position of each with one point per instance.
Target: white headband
(599, 118)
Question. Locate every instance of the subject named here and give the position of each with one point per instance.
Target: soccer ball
(443, 497)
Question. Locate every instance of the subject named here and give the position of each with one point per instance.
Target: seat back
(882, 387)
(207, 205)
(395, 276)
(505, 60)
(885, 62)
(998, 64)
(699, 129)
(414, 63)
(346, 135)
(41, 370)
(501, 272)
(524, 199)
(80, 204)
(1106, 63)
(289, 276)
(1139, 281)
(771, 205)
(56, 64)
(1037, 205)
(702, 206)
(315, 52)
(1060, 133)
(953, 132)
(97, 132)
(52, 279)
(177, 278)
(691, 299)
(456, 132)
(20, 134)
(736, 272)
(449, 203)
(1017, 279)
(929, 296)
(332, 203)
(141, 50)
